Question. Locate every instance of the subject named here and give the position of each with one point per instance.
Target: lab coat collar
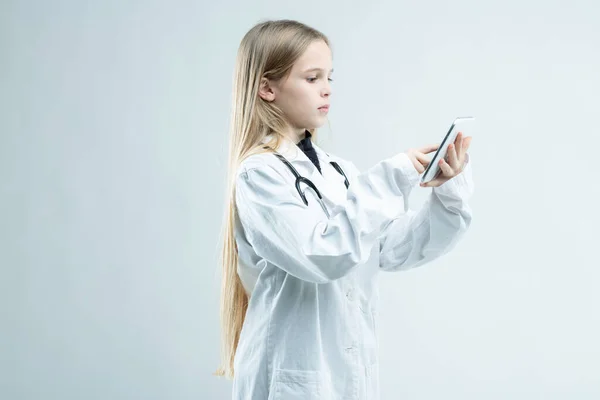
(293, 153)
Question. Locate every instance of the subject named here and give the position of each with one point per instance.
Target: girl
(306, 233)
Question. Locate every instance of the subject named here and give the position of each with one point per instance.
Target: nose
(326, 92)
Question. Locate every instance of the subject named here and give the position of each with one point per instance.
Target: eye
(312, 79)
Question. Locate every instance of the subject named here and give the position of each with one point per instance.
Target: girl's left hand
(457, 155)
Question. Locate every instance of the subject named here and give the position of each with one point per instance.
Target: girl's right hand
(418, 157)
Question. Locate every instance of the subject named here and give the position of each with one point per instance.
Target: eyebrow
(317, 69)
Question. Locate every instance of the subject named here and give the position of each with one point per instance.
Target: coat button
(350, 294)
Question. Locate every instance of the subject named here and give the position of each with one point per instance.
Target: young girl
(306, 232)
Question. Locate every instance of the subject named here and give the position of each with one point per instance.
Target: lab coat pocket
(296, 385)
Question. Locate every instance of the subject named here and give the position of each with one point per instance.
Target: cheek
(298, 98)
(306, 95)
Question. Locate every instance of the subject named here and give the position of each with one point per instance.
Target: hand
(418, 158)
(456, 155)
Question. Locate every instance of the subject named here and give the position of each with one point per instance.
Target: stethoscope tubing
(300, 179)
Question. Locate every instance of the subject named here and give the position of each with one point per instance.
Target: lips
(324, 107)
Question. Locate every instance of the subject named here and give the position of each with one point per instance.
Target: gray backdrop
(114, 124)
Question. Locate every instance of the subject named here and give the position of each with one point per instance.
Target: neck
(296, 134)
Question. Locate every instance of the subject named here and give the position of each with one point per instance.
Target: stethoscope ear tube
(341, 171)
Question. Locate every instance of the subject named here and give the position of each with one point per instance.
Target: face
(305, 89)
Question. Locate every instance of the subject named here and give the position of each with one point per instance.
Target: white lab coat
(311, 327)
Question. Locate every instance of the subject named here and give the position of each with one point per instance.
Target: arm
(416, 238)
(303, 242)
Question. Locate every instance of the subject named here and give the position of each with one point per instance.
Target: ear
(265, 91)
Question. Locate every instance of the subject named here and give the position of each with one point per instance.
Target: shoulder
(348, 166)
(255, 161)
(261, 181)
(263, 168)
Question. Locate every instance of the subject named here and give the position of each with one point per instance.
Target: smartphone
(433, 168)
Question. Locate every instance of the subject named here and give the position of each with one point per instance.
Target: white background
(114, 123)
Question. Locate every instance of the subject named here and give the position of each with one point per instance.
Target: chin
(317, 124)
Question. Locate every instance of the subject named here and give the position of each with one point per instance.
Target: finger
(417, 164)
(447, 170)
(467, 143)
(431, 183)
(429, 148)
(434, 182)
(423, 159)
(452, 156)
(438, 179)
(458, 144)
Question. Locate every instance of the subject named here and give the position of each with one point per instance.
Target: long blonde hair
(268, 50)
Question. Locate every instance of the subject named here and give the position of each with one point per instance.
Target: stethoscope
(300, 179)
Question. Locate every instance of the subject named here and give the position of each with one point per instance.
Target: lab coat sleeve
(305, 243)
(417, 237)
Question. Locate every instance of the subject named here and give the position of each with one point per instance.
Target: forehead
(317, 56)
